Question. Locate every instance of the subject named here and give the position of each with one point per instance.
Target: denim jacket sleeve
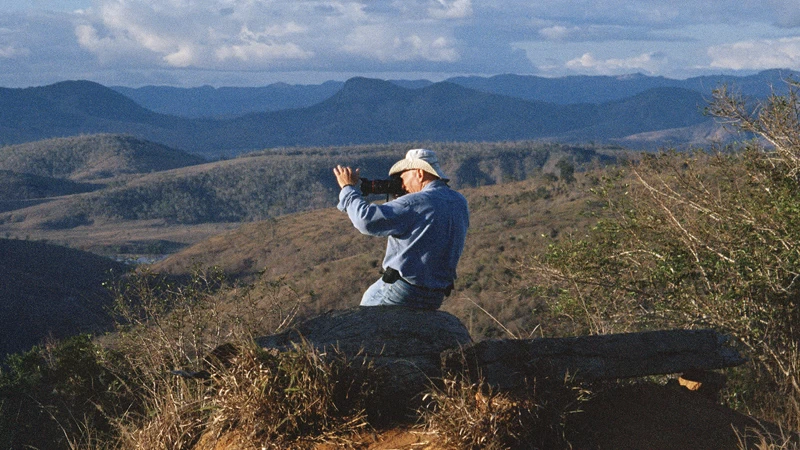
(389, 219)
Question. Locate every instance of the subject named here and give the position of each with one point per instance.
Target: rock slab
(508, 363)
(403, 344)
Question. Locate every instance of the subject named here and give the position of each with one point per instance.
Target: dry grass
(762, 439)
(467, 415)
(280, 400)
(260, 399)
(256, 400)
(324, 258)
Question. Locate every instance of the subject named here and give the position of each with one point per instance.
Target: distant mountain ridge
(207, 101)
(222, 102)
(363, 111)
(602, 89)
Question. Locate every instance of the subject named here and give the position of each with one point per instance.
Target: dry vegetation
(690, 240)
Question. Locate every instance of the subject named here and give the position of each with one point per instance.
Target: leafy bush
(59, 395)
(699, 240)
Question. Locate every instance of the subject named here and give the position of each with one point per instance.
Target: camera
(392, 186)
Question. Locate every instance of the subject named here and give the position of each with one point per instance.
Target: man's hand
(346, 176)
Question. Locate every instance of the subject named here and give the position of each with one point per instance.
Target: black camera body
(392, 186)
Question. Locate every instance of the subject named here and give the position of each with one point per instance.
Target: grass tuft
(467, 415)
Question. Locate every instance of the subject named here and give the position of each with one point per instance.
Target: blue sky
(257, 42)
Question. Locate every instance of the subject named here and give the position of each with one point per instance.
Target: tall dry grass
(471, 415)
(167, 325)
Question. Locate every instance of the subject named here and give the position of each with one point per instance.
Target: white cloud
(757, 54)
(558, 32)
(261, 52)
(10, 51)
(451, 9)
(240, 38)
(646, 62)
(261, 34)
(386, 44)
(597, 33)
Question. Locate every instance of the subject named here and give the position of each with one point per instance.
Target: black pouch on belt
(390, 275)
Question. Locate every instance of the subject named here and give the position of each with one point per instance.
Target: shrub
(701, 239)
(59, 395)
(166, 325)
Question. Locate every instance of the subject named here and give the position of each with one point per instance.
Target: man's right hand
(347, 176)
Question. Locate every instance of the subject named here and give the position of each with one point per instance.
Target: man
(426, 228)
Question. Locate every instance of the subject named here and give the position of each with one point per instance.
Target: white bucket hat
(419, 158)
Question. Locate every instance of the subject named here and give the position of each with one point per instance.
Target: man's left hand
(347, 176)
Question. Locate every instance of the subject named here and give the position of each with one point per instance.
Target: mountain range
(635, 111)
(207, 101)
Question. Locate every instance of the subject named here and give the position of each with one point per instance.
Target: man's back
(426, 229)
(427, 252)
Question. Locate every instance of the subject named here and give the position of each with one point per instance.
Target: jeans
(401, 293)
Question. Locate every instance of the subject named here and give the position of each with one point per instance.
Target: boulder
(404, 345)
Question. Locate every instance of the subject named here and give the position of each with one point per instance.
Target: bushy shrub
(701, 239)
(59, 395)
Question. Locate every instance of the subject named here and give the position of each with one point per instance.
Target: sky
(190, 43)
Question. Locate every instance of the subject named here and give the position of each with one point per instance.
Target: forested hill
(271, 183)
(364, 111)
(92, 156)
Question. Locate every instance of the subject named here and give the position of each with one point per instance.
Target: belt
(391, 275)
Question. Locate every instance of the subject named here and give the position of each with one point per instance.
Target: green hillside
(92, 157)
(273, 183)
(22, 186)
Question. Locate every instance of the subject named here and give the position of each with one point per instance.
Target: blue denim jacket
(426, 231)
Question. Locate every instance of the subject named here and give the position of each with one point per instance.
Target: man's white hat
(419, 158)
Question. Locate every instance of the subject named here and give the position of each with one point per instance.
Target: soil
(640, 417)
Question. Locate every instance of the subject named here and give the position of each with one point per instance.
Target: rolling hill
(269, 184)
(71, 108)
(329, 264)
(364, 111)
(22, 186)
(49, 290)
(91, 157)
